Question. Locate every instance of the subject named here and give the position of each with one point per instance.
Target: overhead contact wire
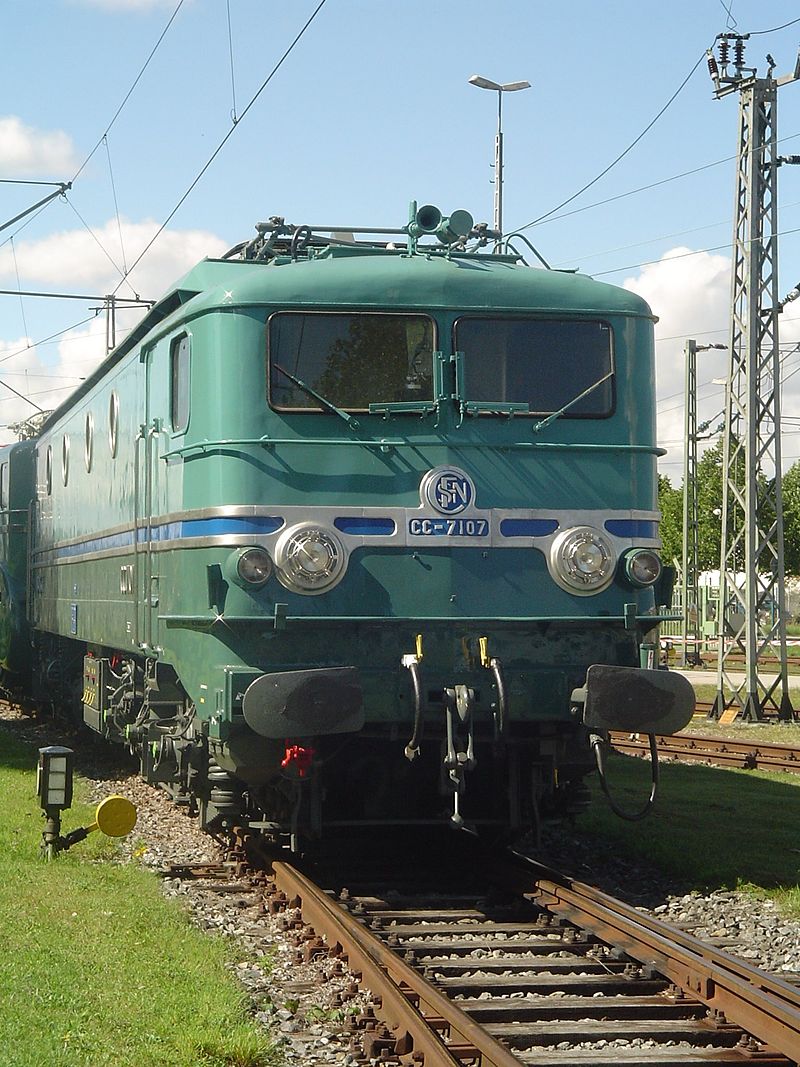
(116, 205)
(234, 119)
(621, 156)
(133, 86)
(227, 137)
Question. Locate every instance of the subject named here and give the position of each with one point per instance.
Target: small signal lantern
(54, 777)
(54, 789)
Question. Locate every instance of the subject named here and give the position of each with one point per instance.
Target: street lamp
(507, 87)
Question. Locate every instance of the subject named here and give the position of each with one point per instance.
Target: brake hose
(598, 745)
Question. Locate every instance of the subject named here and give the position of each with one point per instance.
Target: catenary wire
(552, 211)
(46, 340)
(621, 156)
(104, 250)
(227, 136)
(116, 205)
(136, 81)
(234, 119)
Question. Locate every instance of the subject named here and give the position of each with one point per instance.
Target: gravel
(305, 1005)
(751, 928)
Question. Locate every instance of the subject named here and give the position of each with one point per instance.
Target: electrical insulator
(739, 53)
(723, 52)
(713, 69)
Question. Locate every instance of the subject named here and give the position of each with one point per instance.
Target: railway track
(747, 754)
(485, 959)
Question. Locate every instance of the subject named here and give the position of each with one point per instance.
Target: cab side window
(180, 352)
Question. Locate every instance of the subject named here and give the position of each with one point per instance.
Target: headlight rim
(234, 562)
(288, 578)
(629, 560)
(566, 577)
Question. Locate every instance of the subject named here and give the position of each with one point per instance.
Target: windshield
(544, 363)
(351, 360)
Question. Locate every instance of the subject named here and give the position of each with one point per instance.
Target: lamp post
(497, 87)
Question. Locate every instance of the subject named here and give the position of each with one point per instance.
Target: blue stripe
(174, 531)
(255, 524)
(98, 544)
(528, 527)
(643, 528)
(364, 526)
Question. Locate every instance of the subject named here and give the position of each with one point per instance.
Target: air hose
(598, 745)
(412, 748)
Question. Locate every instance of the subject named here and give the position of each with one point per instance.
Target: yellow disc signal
(115, 816)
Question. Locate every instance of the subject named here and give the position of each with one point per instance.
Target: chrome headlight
(642, 567)
(582, 560)
(310, 558)
(249, 567)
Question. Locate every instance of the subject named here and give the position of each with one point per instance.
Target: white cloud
(690, 294)
(74, 260)
(28, 152)
(23, 374)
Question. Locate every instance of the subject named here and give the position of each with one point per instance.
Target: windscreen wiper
(557, 414)
(326, 404)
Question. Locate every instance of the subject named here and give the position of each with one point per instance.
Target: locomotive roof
(367, 277)
(372, 277)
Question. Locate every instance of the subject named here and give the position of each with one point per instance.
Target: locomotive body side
(16, 494)
(269, 588)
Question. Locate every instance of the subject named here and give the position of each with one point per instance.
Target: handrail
(386, 444)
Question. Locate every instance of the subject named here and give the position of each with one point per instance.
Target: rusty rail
(760, 1003)
(418, 1015)
(747, 754)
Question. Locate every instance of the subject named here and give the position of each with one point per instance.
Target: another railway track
(486, 959)
(747, 754)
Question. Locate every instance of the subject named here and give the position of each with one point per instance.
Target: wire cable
(19, 287)
(46, 340)
(234, 119)
(759, 33)
(136, 81)
(116, 205)
(621, 156)
(684, 255)
(227, 136)
(123, 274)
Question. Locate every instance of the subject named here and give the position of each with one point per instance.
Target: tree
(670, 502)
(791, 520)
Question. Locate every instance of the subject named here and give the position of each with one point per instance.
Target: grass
(711, 828)
(96, 967)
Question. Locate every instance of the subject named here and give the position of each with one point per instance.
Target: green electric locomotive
(352, 532)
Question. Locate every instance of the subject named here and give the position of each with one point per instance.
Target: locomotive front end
(457, 522)
(373, 537)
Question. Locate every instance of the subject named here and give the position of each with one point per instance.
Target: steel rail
(763, 755)
(418, 1014)
(761, 1004)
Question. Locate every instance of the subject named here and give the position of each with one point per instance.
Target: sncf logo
(448, 490)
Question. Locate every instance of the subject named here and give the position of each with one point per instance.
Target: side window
(179, 354)
(48, 469)
(3, 485)
(113, 423)
(88, 440)
(65, 458)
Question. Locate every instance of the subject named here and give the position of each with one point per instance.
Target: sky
(131, 100)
